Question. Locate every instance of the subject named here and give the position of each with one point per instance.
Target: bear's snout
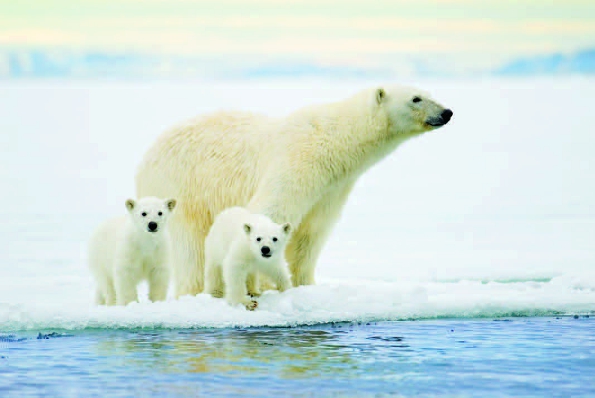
(446, 115)
(441, 119)
(152, 226)
(266, 251)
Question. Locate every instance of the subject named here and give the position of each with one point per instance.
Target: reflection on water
(521, 357)
(289, 353)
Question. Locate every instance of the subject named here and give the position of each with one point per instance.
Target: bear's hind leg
(187, 258)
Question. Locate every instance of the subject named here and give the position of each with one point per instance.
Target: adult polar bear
(298, 169)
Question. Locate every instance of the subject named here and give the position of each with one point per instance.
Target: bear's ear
(130, 203)
(286, 227)
(380, 95)
(247, 228)
(170, 203)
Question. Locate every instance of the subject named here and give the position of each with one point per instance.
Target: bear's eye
(160, 213)
(416, 99)
(274, 239)
(258, 239)
(143, 214)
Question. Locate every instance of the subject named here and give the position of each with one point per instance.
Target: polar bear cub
(126, 250)
(240, 245)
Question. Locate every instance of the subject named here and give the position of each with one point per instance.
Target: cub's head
(267, 239)
(409, 110)
(150, 214)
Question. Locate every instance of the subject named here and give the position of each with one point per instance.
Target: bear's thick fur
(126, 250)
(298, 169)
(240, 246)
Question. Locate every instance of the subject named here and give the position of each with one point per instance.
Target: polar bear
(238, 247)
(125, 250)
(298, 169)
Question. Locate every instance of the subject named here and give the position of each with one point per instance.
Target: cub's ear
(286, 227)
(380, 95)
(130, 203)
(170, 203)
(247, 228)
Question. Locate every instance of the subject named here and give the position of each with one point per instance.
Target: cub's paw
(216, 293)
(251, 305)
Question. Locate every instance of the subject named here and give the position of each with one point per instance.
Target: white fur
(234, 257)
(123, 252)
(298, 169)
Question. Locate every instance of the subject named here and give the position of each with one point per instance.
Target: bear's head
(409, 110)
(267, 239)
(150, 214)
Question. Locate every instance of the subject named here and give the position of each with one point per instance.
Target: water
(491, 217)
(535, 357)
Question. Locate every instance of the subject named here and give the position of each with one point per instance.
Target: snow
(493, 215)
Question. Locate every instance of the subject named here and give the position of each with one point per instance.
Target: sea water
(491, 217)
(520, 357)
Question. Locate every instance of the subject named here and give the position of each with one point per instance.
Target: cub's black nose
(152, 226)
(265, 250)
(446, 115)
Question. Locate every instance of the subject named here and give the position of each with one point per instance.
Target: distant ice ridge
(47, 63)
(329, 301)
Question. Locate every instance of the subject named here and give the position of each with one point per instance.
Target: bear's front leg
(252, 283)
(235, 276)
(308, 240)
(158, 283)
(302, 253)
(213, 282)
(125, 281)
(313, 207)
(280, 276)
(110, 293)
(99, 297)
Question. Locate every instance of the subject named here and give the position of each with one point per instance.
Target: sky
(347, 32)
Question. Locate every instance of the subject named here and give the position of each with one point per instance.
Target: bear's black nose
(152, 226)
(446, 115)
(265, 250)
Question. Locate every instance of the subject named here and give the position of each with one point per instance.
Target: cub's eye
(160, 213)
(144, 214)
(274, 239)
(416, 99)
(258, 239)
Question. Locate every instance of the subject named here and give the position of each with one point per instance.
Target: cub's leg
(158, 283)
(253, 284)
(126, 277)
(110, 292)
(235, 276)
(280, 276)
(99, 296)
(214, 284)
